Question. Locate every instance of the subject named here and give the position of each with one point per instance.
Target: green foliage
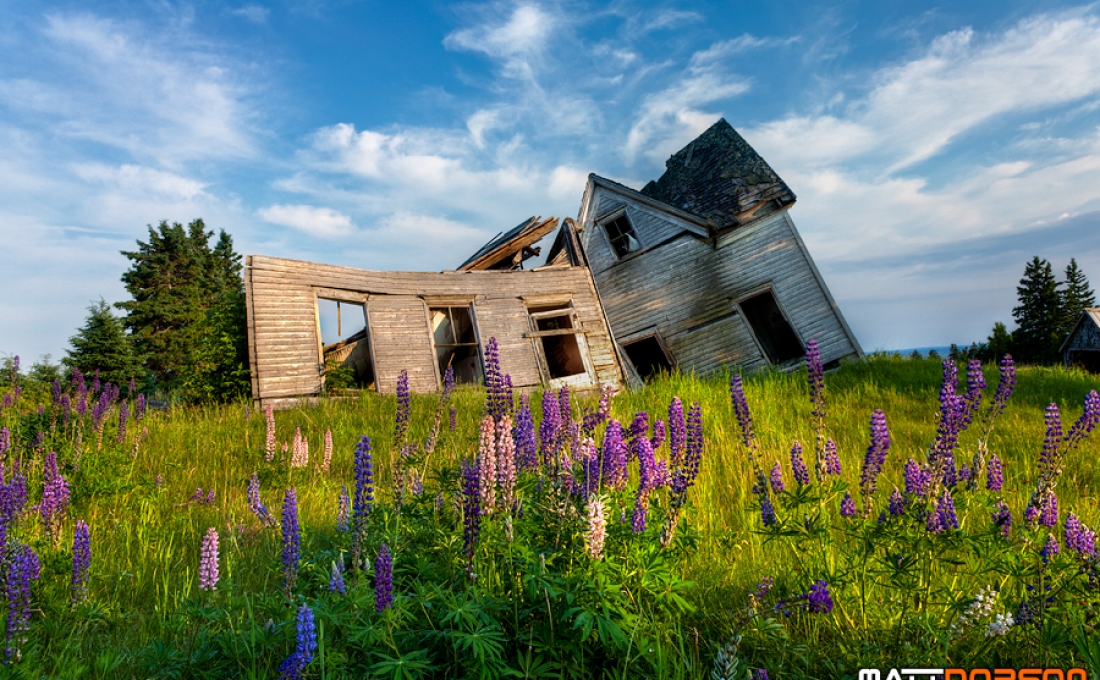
(186, 315)
(532, 604)
(103, 345)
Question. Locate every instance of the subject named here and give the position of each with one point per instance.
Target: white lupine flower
(1000, 625)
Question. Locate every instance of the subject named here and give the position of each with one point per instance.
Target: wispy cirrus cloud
(314, 221)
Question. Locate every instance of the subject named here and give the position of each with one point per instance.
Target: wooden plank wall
(687, 289)
(283, 326)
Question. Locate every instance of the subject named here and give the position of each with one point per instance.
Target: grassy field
(531, 602)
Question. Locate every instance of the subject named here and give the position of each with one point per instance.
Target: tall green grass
(146, 618)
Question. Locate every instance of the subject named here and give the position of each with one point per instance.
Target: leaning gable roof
(1090, 314)
(721, 178)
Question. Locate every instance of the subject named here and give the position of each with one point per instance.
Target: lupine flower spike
(383, 579)
(291, 540)
(82, 561)
(305, 645)
(208, 561)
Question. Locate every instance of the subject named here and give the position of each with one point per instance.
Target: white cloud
(142, 180)
(515, 34)
(323, 222)
(257, 14)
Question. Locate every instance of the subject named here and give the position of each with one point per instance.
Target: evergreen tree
(104, 345)
(998, 344)
(1076, 297)
(186, 315)
(1039, 314)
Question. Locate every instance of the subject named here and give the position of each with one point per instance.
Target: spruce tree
(186, 315)
(103, 345)
(1076, 297)
(1039, 314)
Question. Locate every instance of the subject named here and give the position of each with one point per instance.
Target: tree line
(183, 332)
(1045, 315)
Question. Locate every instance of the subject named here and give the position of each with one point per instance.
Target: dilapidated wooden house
(1082, 347)
(701, 269)
(704, 268)
(548, 323)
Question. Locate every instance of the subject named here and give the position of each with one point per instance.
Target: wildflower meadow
(891, 513)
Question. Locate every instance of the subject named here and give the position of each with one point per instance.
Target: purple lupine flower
(208, 561)
(945, 508)
(613, 456)
(383, 579)
(964, 473)
(649, 471)
(848, 506)
(5, 440)
(741, 410)
(1002, 518)
(1050, 549)
(975, 383)
(523, 435)
(565, 404)
(1004, 390)
(404, 406)
(505, 458)
(255, 504)
(917, 479)
(952, 409)
(56, 391)
(1073, 531)
(1048, 510)
(1031, 515)
(818, 600)
(638, 428)
(590, 465)
(160, 481)
(336, 579)
(658, 434)
(548, 430)
(198, 496)
(1048, 458)
(123, 412)
(471, 508)
(777, 478)
(994, 474)
(487, 464)
(23, 568)
(454, 419)
(55, 495)
(760, 674)
(603, 411)
(494, 381)
(210, 498)
(305, 645)
(815, 373)
(641, 512)
(876, 453)
(896, 503)
(798, 466)
(767, 511)
(364, 484)
(934, 522)
(688, 469)
(139, 407)
(66, 408)
(1088, 421)
(677, 439)
(82, 561)
(14, 369)
(832, 459)
(291, 540)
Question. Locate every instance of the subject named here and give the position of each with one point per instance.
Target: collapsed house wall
(700, 296)
(549, 325)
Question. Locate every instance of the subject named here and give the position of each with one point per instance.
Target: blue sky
(934, 149)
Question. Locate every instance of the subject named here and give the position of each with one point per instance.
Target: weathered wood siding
(687, 288)
(284, 331)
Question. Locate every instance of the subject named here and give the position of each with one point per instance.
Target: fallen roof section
(509, 250)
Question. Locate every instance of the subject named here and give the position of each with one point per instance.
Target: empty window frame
(648, 355)
(456, 343)
(621, 234)
(345, 344)
(564, 351)
(772, 330)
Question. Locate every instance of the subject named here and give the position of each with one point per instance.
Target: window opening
(561, 350)
(623, 238)
(345, 344)
(456, 343)
(776, 336)
(648, 356)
